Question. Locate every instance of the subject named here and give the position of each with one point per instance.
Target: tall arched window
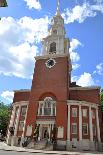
(47, 107)
(52, 47)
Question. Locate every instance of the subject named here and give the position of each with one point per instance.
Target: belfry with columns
(56, 108)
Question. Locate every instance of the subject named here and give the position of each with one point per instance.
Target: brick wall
(21, 96)
(50, 82)
(91, 95)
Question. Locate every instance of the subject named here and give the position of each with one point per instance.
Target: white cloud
(18, 44)
(81, 12)
(33, 4)
(84, 80)
(99, 69)
(74, 44)
(75, 66)
(8, 95)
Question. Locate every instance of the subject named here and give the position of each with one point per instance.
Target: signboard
(29, 131)
(60, 132)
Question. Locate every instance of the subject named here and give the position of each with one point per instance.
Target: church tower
(55, 108)
(49, 92)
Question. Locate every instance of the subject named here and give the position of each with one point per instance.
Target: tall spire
(58, 7)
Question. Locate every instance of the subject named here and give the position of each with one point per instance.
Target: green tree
(101, 99)
(4, 117)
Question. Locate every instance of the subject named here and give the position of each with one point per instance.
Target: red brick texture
(50, 82)
(21, 96)
(91, 95)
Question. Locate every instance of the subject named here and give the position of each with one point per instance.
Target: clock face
(50, 63)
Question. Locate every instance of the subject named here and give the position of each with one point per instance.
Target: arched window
(52, 47)
(47, 107)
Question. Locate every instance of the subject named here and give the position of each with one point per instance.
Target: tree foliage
(101, 99)
(4, 117)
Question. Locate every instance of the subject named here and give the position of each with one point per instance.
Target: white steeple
(55, 42)
(58, 7)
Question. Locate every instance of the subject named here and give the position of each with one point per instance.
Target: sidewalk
(4, 146)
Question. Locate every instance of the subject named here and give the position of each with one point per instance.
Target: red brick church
(55, 101)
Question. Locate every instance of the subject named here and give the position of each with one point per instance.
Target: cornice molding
(48, 56)
(84, 88)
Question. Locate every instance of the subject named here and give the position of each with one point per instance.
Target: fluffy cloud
(84, 80)
(74, 44)
(8, 95)
(18, 44)
(99, 69)
(80, 12)
(33, 4)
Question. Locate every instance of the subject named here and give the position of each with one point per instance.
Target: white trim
(76, 128)
(21, 103)
(73, 112)
(84, 88)
(19, 125)
(80, 123)
(98, 127)
(43, 102)
(45, 122)
(17, 121)
(51, 56)
(82, 103)
(22, 90)
(25, 123)
(68, 125)
(85, 124)
(90, 124)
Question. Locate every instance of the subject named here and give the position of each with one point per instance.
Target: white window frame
(21, 129)
(52, 107)
(93, 113)
(22, 110)
(85, 124)
(74, 112)
(84, 112)
(94, 131)
(74, 124)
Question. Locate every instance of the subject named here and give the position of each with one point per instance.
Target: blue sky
(23, 25)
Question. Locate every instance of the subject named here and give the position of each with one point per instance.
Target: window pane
(84, 112)
(47, 111)
(85, 129)
(23, 111)
(16, 112)
(21, 125)
(93, 114)
(94, 130)
(74, 128)
(74, 112)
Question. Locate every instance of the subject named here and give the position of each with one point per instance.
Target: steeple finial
(58, 7)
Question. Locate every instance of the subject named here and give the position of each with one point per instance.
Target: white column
(39, 109)
(55, 108)
(49, 130)
(17, 121)
(51, 109)
(43, 109)
(12, 117)
(11, 125)
(25, 122)
(80, 123)
(90, 124)
(98, 127)
(68, 125)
